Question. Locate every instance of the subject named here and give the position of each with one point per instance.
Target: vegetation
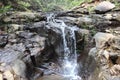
(48, 5)
(45, 5)
(4, 9)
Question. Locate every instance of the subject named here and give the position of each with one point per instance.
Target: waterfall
(69, 66)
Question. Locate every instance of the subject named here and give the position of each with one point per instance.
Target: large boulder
(107, 56)
(14, 60)
(104, 7)
(19, 68)
(17, 17)
(101, 39)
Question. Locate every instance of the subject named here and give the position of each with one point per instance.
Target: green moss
(4, 9)
(24, 4)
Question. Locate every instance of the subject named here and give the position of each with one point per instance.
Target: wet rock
(52, 33)
(17, 17)
(56, 77)
(16, 47)
(82, 36)
(3, 40)
(39, 27)
(101, 39)
(104, 7)
(8, 55)
(25, 35)
(52, 77)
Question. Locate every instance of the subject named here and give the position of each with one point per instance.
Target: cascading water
(69, 59)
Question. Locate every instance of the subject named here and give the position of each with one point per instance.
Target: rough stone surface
(1, 76)
(16, 17)
(104, 6)
(84, 21)
(37, 43)
(101, 39)
(19, 68)
(3, 40)
(53, 77)
(8, 75)
(15, 27)
(107, 57)
(8, 55)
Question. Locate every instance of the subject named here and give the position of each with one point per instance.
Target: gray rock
(68, 20)
(93, 52)
(104, 7)
(55, 77)
(25, 35)
(3, 40)
(17, 17)
(8, 55)
(16, 47)
(116, 16)
(116, 43)
(81, 21)
(38, 27)
(102, 38)
(19, 68)
(15, 27)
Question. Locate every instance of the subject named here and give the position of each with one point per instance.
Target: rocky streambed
(30, 47)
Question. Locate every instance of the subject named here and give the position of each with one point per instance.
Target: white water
(69, 61)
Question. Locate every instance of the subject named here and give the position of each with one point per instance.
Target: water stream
(69, 66)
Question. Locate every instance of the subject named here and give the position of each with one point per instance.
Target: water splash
(69, 61)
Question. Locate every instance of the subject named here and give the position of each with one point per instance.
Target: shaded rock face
(107, 57)
(3, 40)
(15, 59)
(53, 35)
